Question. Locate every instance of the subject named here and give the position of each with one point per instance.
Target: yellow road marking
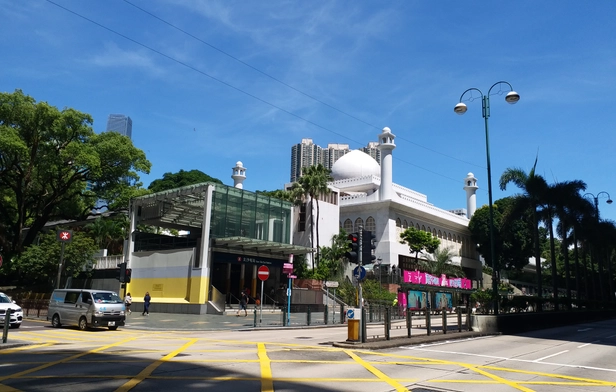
(67, 359)
(6, 388)
(267, 385)
(130, 384)
(382, 376)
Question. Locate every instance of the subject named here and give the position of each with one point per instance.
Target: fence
(33, 304)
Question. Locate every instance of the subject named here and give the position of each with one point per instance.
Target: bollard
(7, 323)
(363, 325)
(444, 321)
(342, 314)
(325, 315)
(459, 310)
(284, 317)
(254, 324)
(428, 326)
(387, 323)
(409, 322)
(469, 311)
(308, 315)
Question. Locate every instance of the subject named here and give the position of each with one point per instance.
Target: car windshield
(106, 298)
(4, 299)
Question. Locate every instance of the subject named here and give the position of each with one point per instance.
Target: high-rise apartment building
(307, 154)
(121, 124)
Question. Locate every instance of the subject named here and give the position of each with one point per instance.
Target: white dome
(355, 164)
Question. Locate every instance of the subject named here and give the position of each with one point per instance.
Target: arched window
(440, 235)
(449, 236)
(348, 226)
(398, 222)
(417, 227)
(358, 222)
(423, 228)
(459, 240)
(434, 232)
(405, 224)
(370, 224)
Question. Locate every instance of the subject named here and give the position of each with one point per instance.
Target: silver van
(86, 309)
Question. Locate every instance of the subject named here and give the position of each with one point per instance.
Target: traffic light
(122, 272)
(353, 252)
(127, 275)
(368, 244)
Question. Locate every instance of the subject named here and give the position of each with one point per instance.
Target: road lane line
(584, 329)
(64, 360)
(130, 384)
(588, 344)
(265, 364)
(550, 356)
(382, 376)
(23, 348)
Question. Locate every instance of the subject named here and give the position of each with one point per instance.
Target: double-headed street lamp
(596, 200)
(511, 97)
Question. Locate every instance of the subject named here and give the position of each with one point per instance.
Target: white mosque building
(363, 194)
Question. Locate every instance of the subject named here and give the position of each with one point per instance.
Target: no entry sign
(263, 272)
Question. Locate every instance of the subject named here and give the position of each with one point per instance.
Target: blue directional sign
(359, 273)
(350, 314)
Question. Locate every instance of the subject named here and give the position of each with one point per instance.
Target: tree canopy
(53, 166)
(419, 241)
(180, 179)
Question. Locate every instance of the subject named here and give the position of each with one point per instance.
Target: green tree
(512, 234)
(180, 179)
(534, 188)
(53, 166)
(109, 233)
(38, 264)
(334, 255)
(314, 182)
(418, 241)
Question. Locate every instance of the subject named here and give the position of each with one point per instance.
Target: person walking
(128, 301)
(146, 304)
(243, 303)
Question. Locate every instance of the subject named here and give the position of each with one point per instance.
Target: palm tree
(439, 263)
(314, 182)
(580, 210)
(535, 189)
(563, 196)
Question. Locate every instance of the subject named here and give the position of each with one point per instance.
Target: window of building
(358, 222)
(405, 224)
(398, 222)
(302, 218)
(370, 224)
(348, 226)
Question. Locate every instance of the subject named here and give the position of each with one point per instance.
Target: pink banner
(417, 277)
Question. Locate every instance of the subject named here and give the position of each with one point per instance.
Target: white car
(16, 313)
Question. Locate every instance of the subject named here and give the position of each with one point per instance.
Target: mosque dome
(355, 164)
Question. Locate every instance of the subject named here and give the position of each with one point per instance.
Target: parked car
(86, 309)
(17, 313)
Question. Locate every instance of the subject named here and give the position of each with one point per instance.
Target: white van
(86, 309)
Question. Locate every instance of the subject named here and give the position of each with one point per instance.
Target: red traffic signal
(353, 253)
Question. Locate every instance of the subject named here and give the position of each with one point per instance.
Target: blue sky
(248, 79)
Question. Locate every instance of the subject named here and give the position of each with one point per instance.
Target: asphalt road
(576, 358)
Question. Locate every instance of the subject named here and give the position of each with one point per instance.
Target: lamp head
(609, 201)
(512, 97)
(460, 108)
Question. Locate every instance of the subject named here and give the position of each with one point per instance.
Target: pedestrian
(146, 304)
(128, 301)
(243, 302)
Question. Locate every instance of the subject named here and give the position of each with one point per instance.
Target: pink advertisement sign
(417, 277)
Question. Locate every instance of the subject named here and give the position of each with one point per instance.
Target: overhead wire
(182, 63)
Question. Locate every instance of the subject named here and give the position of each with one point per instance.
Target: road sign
(263, 272)
(64, 235)
(359, 272)
(353, 314)
(331, 283)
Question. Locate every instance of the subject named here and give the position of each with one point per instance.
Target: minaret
(470, 186)
(239, 175)
(386, 146)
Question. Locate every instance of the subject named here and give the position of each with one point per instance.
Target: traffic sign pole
(263, 274)
(361, 294)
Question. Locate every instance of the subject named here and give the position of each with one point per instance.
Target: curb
(412, 341)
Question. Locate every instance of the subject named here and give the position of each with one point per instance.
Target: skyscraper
(307, 153)
(121, 124)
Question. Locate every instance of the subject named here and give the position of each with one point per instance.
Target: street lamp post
(596, 200)
(378, 262)
(511, 97)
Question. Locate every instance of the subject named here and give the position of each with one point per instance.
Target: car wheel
(55, 321)
(113, 328)
(83, 324)
(15, 326)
